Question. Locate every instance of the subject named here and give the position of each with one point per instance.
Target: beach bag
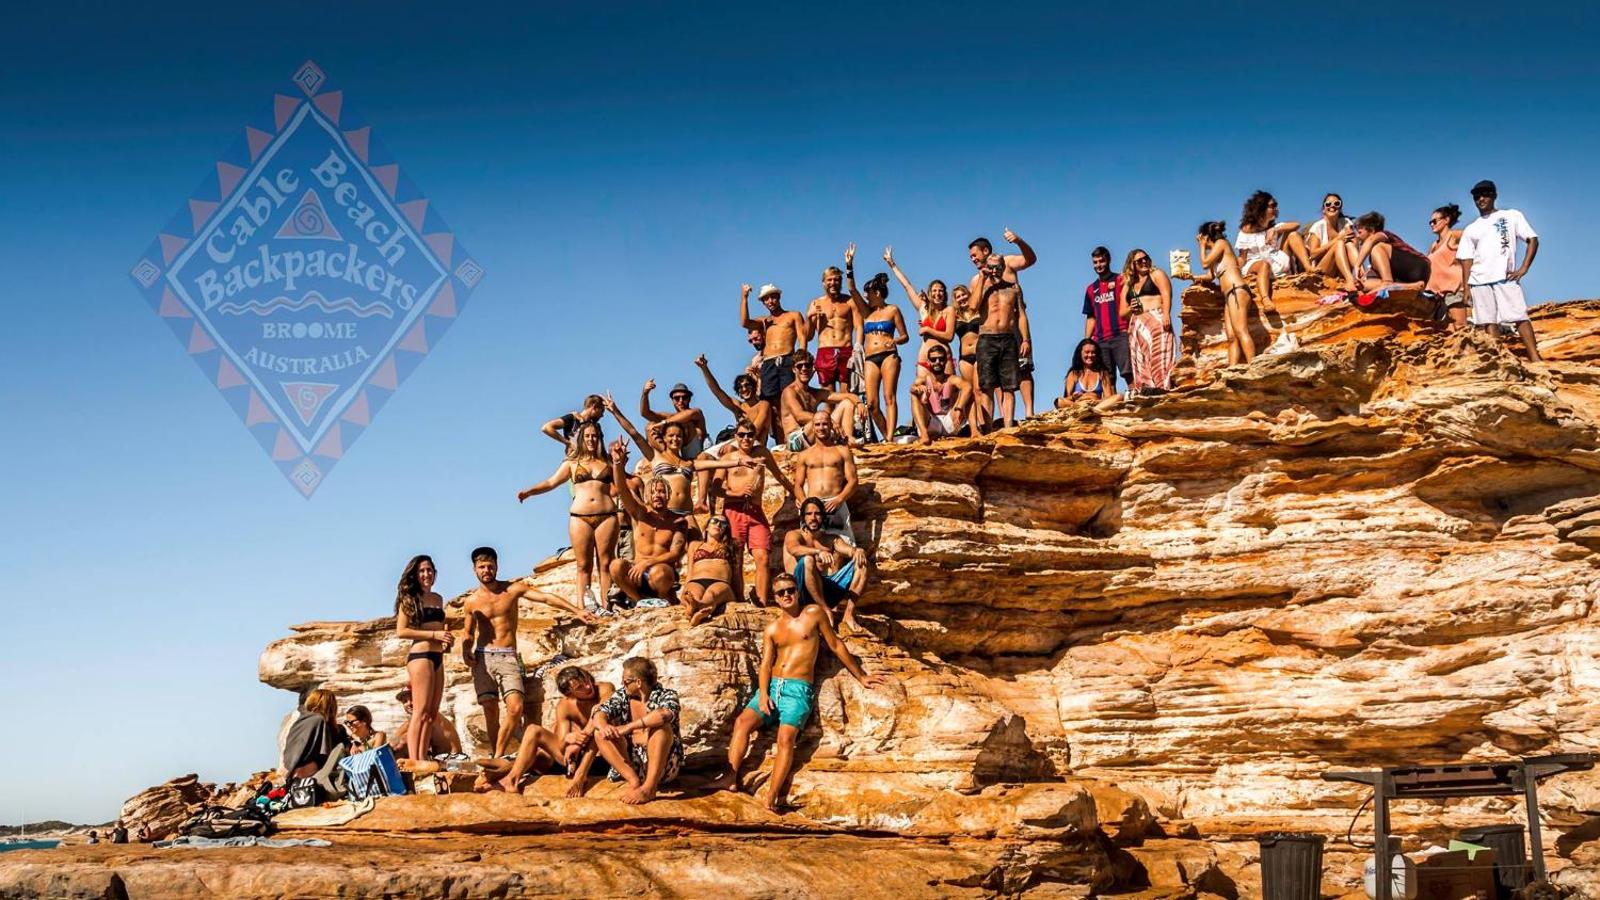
(373, 773)
(219, 822)
(304, 792)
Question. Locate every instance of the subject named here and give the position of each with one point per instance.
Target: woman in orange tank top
(1445, 277)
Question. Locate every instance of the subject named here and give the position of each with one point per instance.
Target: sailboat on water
(20, 841)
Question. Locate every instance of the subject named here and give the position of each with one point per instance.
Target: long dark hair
(1255, 209)
(1451, 212)
(409, 597)
(1077, 359)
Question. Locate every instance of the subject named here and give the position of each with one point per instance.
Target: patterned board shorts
(639, 758)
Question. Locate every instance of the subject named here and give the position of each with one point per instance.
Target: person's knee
(514, 705)
(787, 736)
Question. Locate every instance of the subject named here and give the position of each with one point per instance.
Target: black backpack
(218, 822)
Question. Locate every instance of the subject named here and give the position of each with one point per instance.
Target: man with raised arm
(683, 412)
(826, 471)
(826, 566)
(659, 536)
(749, 406)
(490, 646)
(1004, 335)
(561, 428)
(782, 332)
(801, 401)
(786, 693)
(941, 403)
(741, 490)
(835, 318)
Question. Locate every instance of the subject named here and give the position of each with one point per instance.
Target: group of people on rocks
(675, 528)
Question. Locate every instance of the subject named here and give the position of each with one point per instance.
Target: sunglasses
(1333, 206)
(1142, 262)
(1435, 220)
(748, 434)
(349, 723)
(938, 359)
(786, 592)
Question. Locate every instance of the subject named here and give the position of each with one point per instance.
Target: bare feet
(639, 795)
(501, 786)
(851, 626)
(575, 789)
(779, 805)
(727, 781)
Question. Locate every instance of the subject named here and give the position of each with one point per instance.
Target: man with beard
(659, 536)
(826, 472)
(490, 646)
(1004, 335)
(801, 402)
(827, 567)
(683, 412)
(835, 318)
(782, 332)
(786, 686)
(941, 403)
(741, 489)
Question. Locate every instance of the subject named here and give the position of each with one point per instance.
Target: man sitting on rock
(659, 537)
(785, 687)
(567, 743)
(826, 567)
(800, 402)
(490, 647)
(827, 470)
(443, 739)
(636, 731)
(941, 403)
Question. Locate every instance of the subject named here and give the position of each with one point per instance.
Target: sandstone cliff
(1122, 641)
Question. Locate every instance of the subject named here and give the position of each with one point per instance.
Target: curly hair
(408, 598)
(1255, 210)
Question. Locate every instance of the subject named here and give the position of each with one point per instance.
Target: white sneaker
(1284, 344)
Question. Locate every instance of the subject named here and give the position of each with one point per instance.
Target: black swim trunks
(997, 362)
(776, 374)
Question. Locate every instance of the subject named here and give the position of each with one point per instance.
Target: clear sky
(619, 172)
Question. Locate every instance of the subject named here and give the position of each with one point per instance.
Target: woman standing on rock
(713, 573)
(419, 617)
(883, 330)
(1444, 275)
(1220, 265)
(936, 322)
(591, 519)
(1146, 304)
(969, 319)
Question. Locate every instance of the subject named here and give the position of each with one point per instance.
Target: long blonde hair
(575, 447)
(1128, 273)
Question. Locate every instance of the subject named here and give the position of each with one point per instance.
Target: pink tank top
(1444, 274)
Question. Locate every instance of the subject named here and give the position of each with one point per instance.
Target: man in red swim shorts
(741, 489)
(835, 318)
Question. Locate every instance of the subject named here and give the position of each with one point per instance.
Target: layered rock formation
(1122, 641)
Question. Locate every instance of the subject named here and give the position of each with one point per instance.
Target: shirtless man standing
(1003, 335)
(826, 566)
(749, 405)
(786, 693)
(827, 471)
(683, 411)
(741, 491)
(566, 742)
(941, 403)
(835, 318)
(783, 331)
(801, 401)
(490, 646)
(659, 537)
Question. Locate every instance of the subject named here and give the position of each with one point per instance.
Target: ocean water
(44, 844)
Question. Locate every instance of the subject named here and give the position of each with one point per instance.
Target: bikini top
(666, 468)
(1148, 289)
(430, 614)
(936, 324)
(702, 553)
(581, 473)
(1099, 386)
(970, 326)
(883, 327)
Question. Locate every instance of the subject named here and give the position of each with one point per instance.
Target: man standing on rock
(826, 470)
(835, 318)
(490, 646)
(1101, 321)
(742, 489)
(1488, 258)
(1003, 335)
(785, 688)
(783, 331)
(827, 567)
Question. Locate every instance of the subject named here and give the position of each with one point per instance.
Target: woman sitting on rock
(714, 578)
(1330, 240)
(1088, 379)
(1264, 245)
(591, 519)
(1219, 265)
(1393, 261)
(419, 617)
(358, 722)
(1146, 304)
(312, 743)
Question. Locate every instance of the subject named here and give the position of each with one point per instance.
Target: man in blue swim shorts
(827, 567)
(785, 694)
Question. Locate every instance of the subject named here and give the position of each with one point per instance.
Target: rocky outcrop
(1122, 641)
(164, 807)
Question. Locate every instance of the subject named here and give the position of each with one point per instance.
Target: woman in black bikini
(419, 617)
(936, 321)
(591, 520)
(968, 320)
(883, 330)
(714, 579)
(1220, 265)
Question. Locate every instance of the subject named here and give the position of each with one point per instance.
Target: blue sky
(618, 173)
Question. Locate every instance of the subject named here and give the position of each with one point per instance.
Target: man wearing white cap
(1488, 258)
(784, 330)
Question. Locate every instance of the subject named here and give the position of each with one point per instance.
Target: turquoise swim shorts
(795, 699)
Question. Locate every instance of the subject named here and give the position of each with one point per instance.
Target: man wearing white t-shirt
(1488, 258)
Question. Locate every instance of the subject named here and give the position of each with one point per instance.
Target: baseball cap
(769, 289)
(680, 388)
(1484, 187)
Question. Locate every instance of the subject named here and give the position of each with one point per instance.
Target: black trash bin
(1291, 865)
(1510, 855)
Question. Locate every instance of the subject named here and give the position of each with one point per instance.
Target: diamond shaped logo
(307, 277)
